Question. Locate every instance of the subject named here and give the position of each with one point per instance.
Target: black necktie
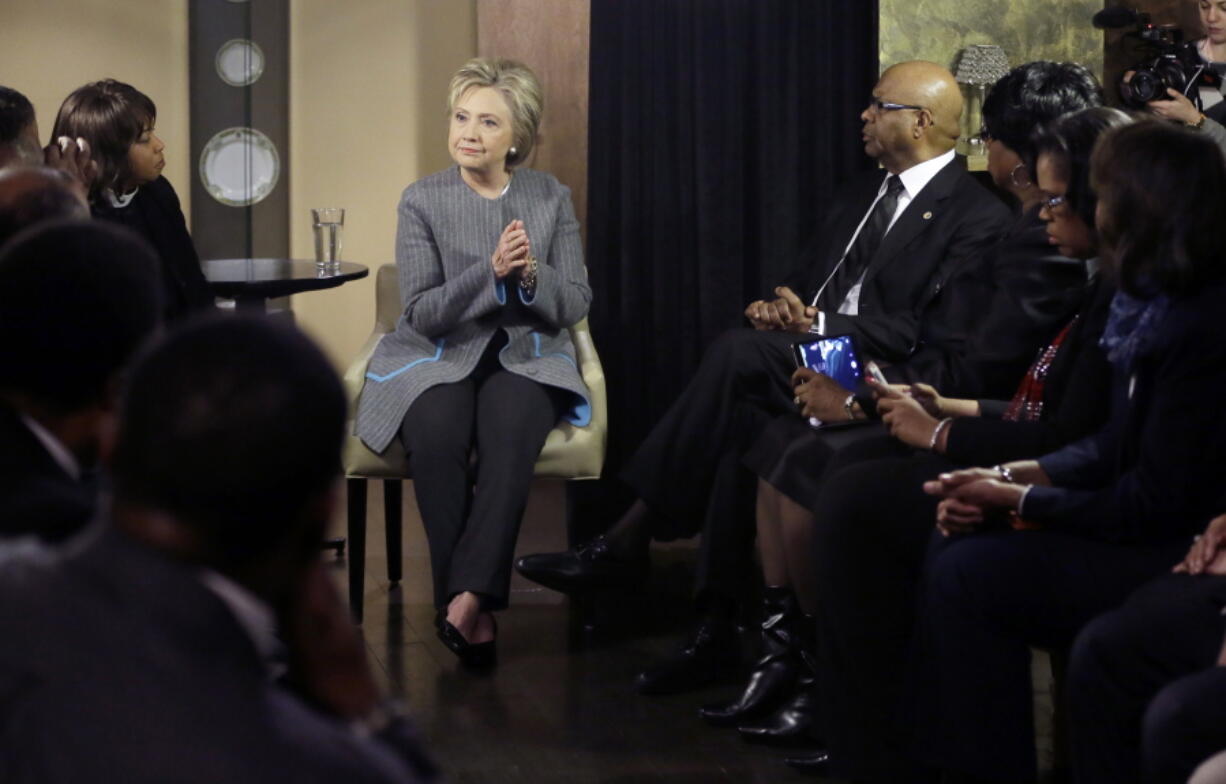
(862, 250)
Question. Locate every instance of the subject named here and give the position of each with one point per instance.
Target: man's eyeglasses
(878, 105)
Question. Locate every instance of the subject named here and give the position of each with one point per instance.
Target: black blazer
(37, 496)
(121, 665)
(1076, 398)
(952, 220)
(993, 313)
(1154, 473)
(155, 214)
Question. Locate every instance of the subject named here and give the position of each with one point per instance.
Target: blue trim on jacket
(438, 353)
(580, 415)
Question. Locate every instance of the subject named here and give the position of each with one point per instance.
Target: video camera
(1177, 64)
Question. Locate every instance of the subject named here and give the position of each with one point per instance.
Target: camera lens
(1144, 87)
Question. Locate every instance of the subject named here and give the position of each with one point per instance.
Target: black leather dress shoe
(816, 764)
(794, 724)
(712, 655)
(774, 674)
(590, 566)
(476, 656)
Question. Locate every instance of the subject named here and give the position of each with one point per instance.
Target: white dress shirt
(913, 181)
(59, 453)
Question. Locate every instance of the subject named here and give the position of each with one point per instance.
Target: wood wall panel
(551, 38)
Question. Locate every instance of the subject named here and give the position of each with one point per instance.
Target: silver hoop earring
(1013, 177)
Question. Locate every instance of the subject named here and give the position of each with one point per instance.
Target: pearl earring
(512, 152)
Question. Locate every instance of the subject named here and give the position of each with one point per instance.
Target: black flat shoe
(591, 566)
(476, 656)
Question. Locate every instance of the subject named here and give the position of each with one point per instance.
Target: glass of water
(328, 223)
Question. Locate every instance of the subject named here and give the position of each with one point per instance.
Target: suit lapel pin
(927, 216)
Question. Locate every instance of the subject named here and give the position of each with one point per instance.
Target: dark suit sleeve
(1176, 455)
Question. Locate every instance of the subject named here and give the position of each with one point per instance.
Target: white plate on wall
(239, 62)
(239, 167)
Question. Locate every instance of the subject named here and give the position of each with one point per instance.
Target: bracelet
(847, 404)
(527, 277)
(1005, 473)
(1200, 123)
(936, 433)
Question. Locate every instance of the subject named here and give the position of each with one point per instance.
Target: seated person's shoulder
(427, 189)
(542, 185)
(977, 202)
(162, 190)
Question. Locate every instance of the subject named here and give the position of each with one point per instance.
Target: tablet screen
(834, 357)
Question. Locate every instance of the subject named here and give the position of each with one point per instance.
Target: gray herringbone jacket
(454, 306)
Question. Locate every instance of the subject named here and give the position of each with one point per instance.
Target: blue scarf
(1131, 327)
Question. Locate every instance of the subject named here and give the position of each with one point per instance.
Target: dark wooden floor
(560, 706)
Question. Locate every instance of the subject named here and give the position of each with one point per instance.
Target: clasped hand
(968, 496)
(513, 250)
(1208, 552)
(787, 313)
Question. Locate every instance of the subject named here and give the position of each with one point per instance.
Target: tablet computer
(834, 356)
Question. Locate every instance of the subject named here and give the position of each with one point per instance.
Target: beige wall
(48, 48)
(368, 85)
(368, 89)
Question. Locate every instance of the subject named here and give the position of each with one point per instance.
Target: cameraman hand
(1177, 109)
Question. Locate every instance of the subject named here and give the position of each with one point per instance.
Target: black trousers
(987, 599)
(872, 526)
(1146, 699)
(472, 511)
(688, 470)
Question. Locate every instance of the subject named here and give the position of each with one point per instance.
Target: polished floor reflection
(560, 705)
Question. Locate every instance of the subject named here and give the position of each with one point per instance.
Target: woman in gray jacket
(480, 367)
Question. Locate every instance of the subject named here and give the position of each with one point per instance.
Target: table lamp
(979, 65)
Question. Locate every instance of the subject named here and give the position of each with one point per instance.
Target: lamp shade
(981, 64)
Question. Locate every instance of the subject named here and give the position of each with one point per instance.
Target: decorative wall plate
(239, 62)
(239, 166)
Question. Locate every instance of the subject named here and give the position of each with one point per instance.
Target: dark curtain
(719, 130)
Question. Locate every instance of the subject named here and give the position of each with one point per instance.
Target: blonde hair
(519, 88)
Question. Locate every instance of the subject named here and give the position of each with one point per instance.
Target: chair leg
(356, 491)
(583, 606)
(393, 495)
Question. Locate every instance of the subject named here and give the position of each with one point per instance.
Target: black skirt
(794, 457)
